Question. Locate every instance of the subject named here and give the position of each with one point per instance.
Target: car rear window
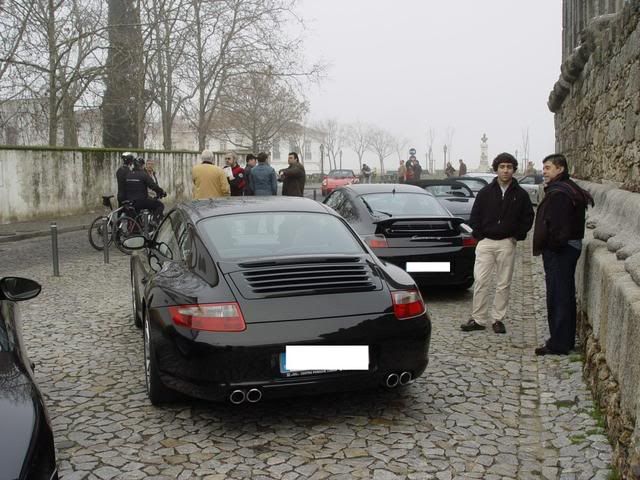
(267, 234)
(341, 173)
(397, 204)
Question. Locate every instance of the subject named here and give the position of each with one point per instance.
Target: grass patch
(564, 403)
(596, 414)
(613, 474)
(575, 357)
(577, 439)
(594, 431)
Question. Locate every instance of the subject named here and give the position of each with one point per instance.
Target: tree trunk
(53, 61)
(69, 125)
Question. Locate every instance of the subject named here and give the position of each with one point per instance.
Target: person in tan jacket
(209, 180)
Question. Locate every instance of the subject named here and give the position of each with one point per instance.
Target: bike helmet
(128, 158)
(138, 162)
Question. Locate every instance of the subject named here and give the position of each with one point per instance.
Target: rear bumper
(461, 266)
(210, 368)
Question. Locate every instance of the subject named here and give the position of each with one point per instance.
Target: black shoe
(471, 325)
(544, 350)
(498, 327)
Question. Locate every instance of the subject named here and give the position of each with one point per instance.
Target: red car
(337, 178)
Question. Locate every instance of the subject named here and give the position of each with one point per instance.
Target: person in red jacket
(235, 174)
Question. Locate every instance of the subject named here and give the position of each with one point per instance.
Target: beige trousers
(498, 256)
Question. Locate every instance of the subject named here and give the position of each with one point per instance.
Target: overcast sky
(476, 66)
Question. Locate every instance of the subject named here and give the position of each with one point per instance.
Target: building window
(307, 151)
(275, 149)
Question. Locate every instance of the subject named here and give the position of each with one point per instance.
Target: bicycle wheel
(96, 231)
(125, 228)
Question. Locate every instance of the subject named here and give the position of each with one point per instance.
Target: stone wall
(43, 183)
(597, 100)
(608, 293)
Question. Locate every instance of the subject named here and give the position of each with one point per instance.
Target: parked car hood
(18, 414)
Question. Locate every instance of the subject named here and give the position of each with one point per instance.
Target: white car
(534, 185)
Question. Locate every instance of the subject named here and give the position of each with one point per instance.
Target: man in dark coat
(558, 237)
(501, 216)
(293, 177)
(121, 176)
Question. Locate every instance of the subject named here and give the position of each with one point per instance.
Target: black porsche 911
(454, 195)
(247, 298)
(28, 451)
(407, 226)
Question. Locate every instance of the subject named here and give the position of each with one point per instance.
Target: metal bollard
(314, 194)
(105, 238)
(54, 249)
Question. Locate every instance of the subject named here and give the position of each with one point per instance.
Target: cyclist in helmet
(137, 186)
(121, 175)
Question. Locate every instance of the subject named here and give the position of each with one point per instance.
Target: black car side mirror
(18, 289)
(135, 242)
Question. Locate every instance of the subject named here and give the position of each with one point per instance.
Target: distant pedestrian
(250, 163)
(366, 173)
(402, 172)
(263, 177)
(501, 215)
(209, 180)
(558, 237)
(235, 174)
(293, 177)
(449, 171)
(462, 169)
(415, 166)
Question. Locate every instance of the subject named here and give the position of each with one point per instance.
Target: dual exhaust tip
(237, 397)
(395, 379)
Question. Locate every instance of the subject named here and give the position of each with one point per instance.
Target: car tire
(157, 392)
(137, 321)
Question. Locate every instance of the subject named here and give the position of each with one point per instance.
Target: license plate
(314, 359)
(432, 267)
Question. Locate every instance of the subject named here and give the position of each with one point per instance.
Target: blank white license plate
(300, 358)
(434, 267)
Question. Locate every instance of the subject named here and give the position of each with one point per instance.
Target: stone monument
(484, 154)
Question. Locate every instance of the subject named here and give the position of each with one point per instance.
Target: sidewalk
(13, 232)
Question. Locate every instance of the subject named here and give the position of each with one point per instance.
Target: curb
(40, 233)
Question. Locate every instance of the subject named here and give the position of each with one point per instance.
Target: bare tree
(258, 108)
(400, 145)
(334, 139)
(358, 138)
(431, 138)
(382, 144)
(525, 146)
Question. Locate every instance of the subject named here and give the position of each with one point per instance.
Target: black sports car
(26, 437)
(408, 227)
(252, 297)
(455, 196)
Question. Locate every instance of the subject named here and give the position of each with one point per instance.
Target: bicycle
(121, 224)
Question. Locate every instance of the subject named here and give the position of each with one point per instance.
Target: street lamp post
(340, 159)
(445, 156)
(322, 159)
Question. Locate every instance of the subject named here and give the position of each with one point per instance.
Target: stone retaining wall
(597, 100)
(608, 293)
(45, 183)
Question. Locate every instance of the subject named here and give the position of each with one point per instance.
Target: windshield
(267, 234)
(399, 204)
(341, 173)
(475, 185)
(448, 191)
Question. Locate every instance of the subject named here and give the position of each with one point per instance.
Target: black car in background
(455, 196)
(408, 227)
(250, 297)
(27, 450)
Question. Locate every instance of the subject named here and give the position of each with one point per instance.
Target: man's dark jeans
(559, 273)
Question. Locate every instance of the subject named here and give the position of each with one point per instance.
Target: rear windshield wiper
(371, 210)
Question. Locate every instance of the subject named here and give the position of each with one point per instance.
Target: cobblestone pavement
(485, 408)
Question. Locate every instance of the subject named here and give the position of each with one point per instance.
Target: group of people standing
(256, 178)
(409, 171)
(501, 216)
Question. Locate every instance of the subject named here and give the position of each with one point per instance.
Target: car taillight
(212, 317)
(376, 241)
(469, 242)
(407, 304)
(324, 182)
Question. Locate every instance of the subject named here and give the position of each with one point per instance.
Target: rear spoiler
(392, 220)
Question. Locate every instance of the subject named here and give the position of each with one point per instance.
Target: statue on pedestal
(484, 154)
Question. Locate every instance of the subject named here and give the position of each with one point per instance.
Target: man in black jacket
(501, 215)
(137, 190)
(293, 177)
(558, 237)
(121, 176)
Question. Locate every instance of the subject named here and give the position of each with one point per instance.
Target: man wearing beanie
(501, 215)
